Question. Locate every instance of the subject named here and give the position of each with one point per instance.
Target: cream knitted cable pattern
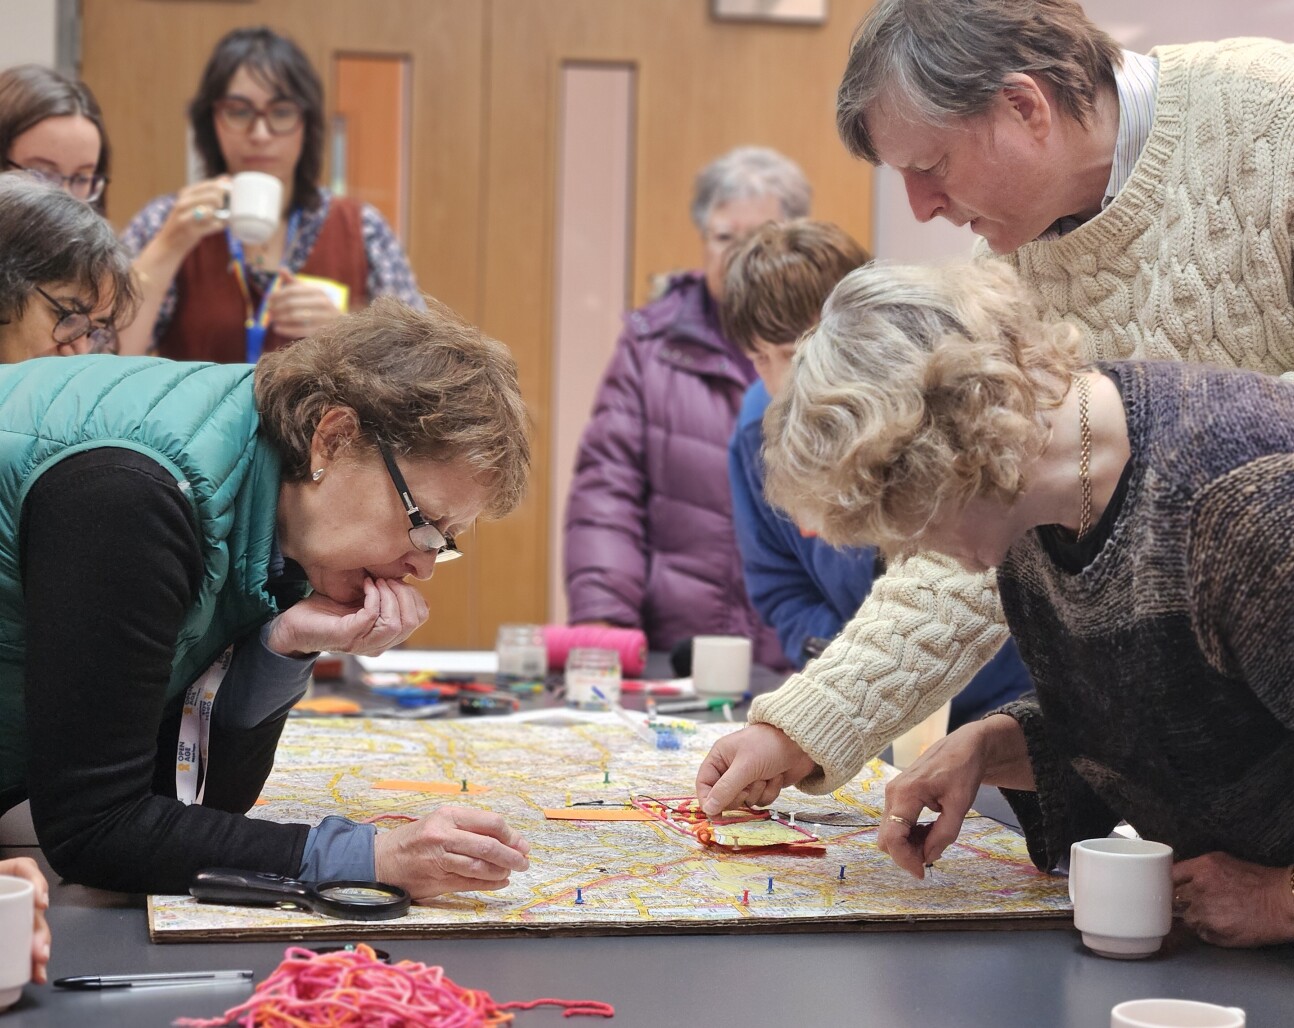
(1191, 261)
(921, 635)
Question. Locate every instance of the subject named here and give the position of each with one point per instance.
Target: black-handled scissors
(354, 901)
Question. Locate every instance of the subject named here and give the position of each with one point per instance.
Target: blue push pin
(579, 896)
(770, 883)
(842, 872)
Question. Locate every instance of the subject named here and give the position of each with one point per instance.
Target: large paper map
(631, 876)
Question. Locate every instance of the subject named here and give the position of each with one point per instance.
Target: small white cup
(255, 199)
(1122, 891)
(17, 909)
(1175, 1013)
(721, 665)
(919, 738)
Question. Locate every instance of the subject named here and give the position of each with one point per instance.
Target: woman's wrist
(1005, 753)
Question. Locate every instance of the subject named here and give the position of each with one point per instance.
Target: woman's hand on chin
(391, 610)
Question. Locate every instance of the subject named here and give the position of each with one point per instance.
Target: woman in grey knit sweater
(1140, 516)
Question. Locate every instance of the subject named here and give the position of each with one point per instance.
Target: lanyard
(195, 731)
(257, 321)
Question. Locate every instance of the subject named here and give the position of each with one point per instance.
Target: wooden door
(143, 59)
(484, 79)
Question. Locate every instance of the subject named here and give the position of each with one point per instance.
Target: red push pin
(745, 897)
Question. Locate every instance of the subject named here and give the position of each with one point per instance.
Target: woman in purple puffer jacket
(649, 536)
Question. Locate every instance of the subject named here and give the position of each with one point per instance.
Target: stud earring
(317, 474)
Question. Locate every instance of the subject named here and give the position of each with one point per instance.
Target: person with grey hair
(649, 534)
(1146, 198)
(65, 280)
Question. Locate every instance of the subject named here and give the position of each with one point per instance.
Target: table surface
(1043, 978)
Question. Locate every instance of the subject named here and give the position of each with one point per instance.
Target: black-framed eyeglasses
(73, 325)
(87, 188)
(422, 533)
(282, 117)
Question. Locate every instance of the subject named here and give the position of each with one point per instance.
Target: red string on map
(352, 989)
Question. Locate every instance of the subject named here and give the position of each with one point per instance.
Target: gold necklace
(1084, 456)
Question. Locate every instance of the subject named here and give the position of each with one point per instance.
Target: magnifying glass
(354, 901)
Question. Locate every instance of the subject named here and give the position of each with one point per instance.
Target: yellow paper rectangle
(338, 292)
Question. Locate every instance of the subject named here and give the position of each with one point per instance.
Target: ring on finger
(900, 820)
(200, 212)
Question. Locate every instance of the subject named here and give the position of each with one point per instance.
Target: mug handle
(1073, 869)
(222, 213)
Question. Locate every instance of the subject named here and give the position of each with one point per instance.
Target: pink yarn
(630, 643)
(352, 989)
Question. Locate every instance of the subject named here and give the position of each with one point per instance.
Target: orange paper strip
(328, 705)
(596, 814)
(440, 788)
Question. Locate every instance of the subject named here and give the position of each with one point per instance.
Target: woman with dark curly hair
(65, 281)
(208, 296)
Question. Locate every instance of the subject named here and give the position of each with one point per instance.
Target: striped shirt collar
(1136, 79)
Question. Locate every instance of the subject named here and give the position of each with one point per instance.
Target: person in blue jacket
(804, 589)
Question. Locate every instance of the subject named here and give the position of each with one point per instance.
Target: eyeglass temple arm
(401, 486)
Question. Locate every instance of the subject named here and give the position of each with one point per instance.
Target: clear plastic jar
(523, 657)
(588, 669)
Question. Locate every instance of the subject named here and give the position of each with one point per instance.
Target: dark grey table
(1032, 979)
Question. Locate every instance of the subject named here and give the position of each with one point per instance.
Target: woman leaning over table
(259, 107)
(1140, 517)
(173, 519)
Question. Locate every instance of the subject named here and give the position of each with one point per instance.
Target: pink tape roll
(630, 643)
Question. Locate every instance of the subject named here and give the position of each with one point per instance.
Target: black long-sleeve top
(110, 565)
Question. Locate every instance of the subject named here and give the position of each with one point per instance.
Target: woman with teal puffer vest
(167, 526)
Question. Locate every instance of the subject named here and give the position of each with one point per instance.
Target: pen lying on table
(138, 981)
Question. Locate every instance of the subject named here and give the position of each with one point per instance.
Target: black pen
(136, 981)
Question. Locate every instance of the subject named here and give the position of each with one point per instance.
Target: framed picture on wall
(800, 12)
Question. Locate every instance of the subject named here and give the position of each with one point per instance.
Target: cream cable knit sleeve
(921, 635)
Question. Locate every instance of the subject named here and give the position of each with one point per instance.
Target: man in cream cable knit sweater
(1150, 199)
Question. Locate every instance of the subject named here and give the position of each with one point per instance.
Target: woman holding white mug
(209, 295)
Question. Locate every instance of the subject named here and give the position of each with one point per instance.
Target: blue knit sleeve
(778, 565)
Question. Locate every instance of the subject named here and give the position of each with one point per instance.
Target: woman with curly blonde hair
(1140, 518)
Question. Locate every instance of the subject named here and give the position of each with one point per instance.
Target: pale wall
(29, 33)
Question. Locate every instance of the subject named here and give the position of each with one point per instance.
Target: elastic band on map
(350, 989)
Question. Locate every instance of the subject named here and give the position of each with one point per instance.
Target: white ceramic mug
(1122, 891)
(255, 200)
(17, 909)
(721, 665)
(1175, 1013)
